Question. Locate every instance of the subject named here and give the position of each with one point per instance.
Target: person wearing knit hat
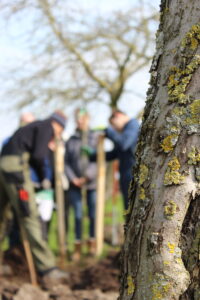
(59, 117)
(29, 147)
(58, 122)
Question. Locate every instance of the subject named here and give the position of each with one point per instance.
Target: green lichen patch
(192, 38)
(169, 142)
(143, 174)
(172, 175)
(194, 156)
(191, 120)
(170, 209)
(194, 113)
(131, 285)
(187, 113)
(195, 108)
(178, 111)
(180, 117)
(179, 79)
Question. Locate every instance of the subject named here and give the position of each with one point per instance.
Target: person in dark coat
(28, 147)
(81, 174)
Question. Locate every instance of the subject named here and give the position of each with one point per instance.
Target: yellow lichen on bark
(178, 111)
(179, 79)
(172, 175)
(160, 287)
(142, 195)
(171, 247)
(169, 142)
(194, 110)
(174, 164)
(194, 156)
(131, 285)
(192, 38)
(143, 173)
(170, 209)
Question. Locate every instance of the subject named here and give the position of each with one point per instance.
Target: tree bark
(160, 256)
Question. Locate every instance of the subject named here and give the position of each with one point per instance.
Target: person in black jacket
(28, 147)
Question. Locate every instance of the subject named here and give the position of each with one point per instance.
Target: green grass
(70, 236)
(5, 244)
(118, 207)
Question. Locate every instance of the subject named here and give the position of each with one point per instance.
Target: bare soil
(90, 279)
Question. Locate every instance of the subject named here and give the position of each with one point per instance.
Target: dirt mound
(103, 275)
(60, 292)
(96, 280)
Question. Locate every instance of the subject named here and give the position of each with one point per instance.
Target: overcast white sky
(10, 50)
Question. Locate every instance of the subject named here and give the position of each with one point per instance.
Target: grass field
(70, 237)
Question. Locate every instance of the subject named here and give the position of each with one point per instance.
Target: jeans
(74, 199)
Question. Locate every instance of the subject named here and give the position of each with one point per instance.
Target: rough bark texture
(160, 256)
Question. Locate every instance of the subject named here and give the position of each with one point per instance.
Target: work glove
(46, 184)
(87, 150)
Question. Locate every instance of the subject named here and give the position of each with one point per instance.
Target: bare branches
(74, 57)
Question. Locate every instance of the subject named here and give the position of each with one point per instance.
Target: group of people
(26, 167)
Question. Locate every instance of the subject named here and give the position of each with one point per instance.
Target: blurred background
(62, 54)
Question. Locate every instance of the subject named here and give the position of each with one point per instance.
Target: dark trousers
(14, 232)
(125, 180)
(74, 199)
(26, 210)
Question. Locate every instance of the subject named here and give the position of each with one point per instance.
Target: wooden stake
(29, 257)
(84, 164)
(115, 239)
(101, 176)
(59, 170)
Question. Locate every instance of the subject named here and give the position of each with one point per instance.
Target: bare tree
(162, 233)
(73, 56)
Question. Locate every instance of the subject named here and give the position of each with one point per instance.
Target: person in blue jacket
(123, 132)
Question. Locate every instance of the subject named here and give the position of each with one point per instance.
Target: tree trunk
(114, 102)
(160, 256)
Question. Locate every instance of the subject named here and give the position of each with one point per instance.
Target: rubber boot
(92, 247)
(77, 251)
